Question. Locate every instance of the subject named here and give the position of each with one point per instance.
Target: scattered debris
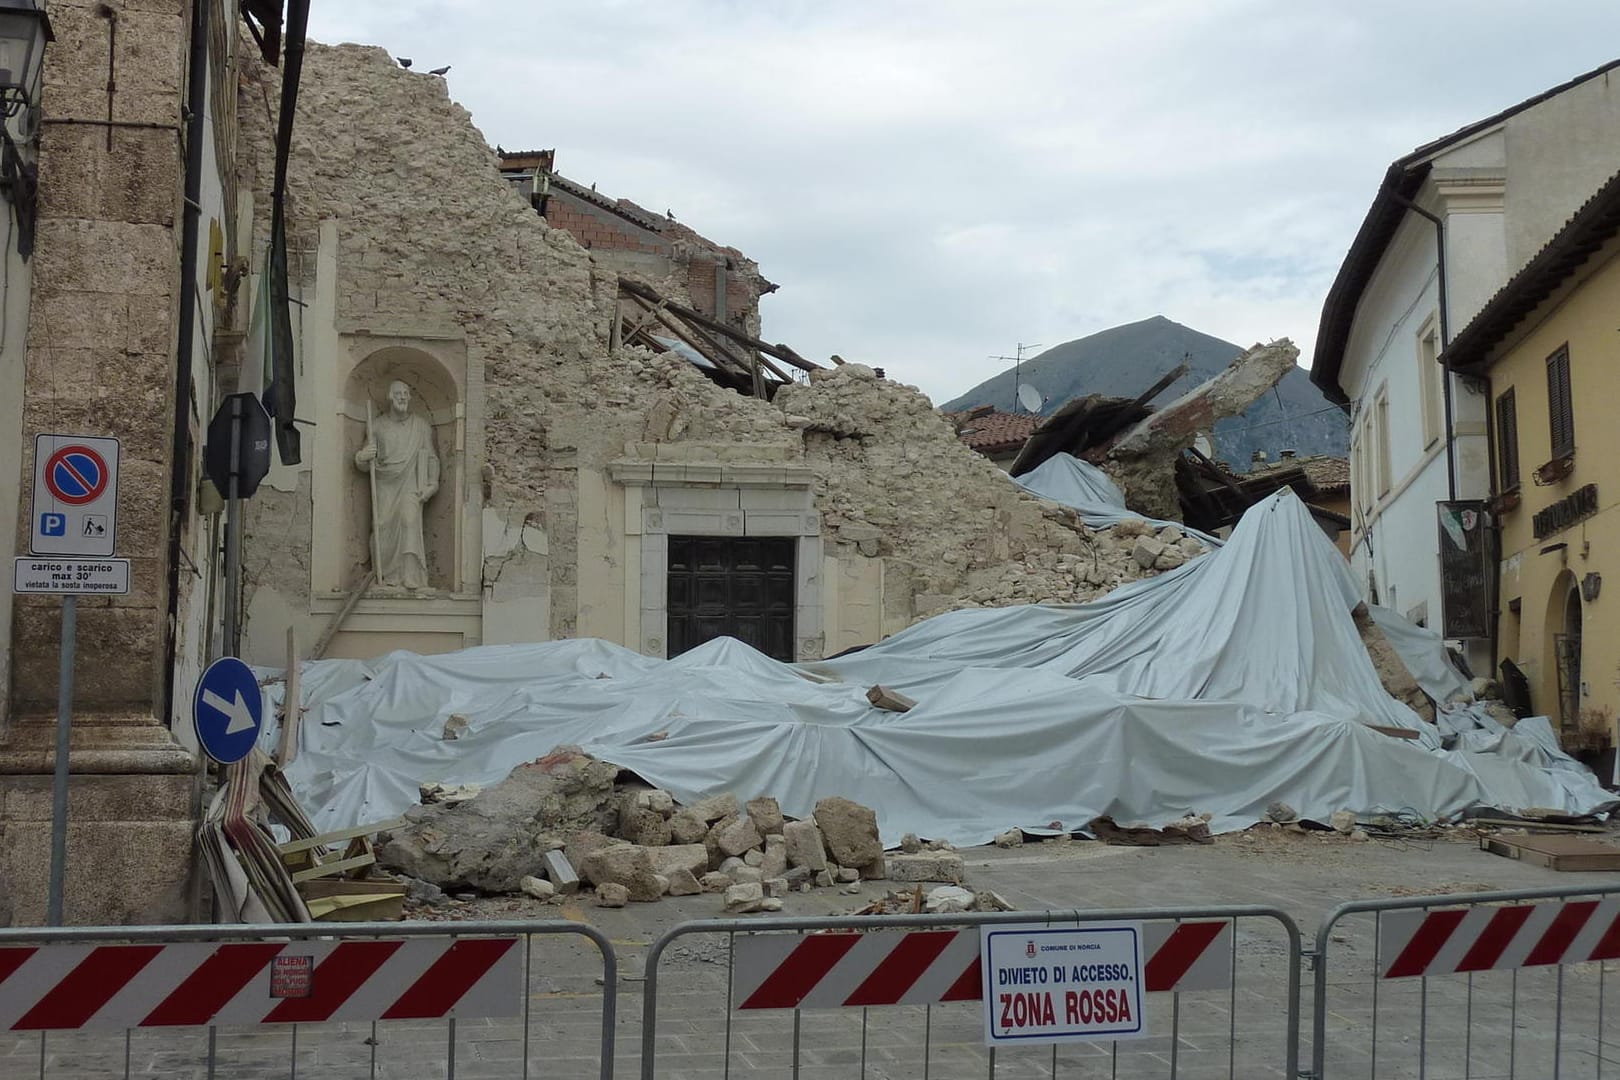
(883, 698)
(491, 841)
(1281, 813)
(1190, 830)
(455, 726)
(948, 899)
(1010, 839)
(448, 793)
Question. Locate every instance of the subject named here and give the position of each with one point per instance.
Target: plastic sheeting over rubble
(1083, 487)
(1232, 682)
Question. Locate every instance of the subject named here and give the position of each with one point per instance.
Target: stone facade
(102, 317)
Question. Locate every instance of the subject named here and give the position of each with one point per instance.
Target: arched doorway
(1567, 654)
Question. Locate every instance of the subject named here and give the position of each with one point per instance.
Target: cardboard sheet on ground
(1229, 683)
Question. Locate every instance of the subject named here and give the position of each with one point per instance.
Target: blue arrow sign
(228, 710)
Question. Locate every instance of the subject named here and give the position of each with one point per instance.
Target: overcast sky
(933, 182)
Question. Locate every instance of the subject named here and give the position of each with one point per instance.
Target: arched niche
(1562, 652)
(434, 397)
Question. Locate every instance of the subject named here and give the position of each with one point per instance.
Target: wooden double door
(741, 587)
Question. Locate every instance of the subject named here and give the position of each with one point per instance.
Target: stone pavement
(1508, 1027)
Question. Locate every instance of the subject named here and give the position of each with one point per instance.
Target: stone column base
(132, 796)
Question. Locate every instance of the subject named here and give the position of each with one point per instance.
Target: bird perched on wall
(404, 61)
(440, 71)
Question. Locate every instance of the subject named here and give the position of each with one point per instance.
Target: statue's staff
(376, 540)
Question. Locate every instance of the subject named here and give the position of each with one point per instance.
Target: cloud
(932, 182)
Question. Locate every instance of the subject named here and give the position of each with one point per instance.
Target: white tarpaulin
(1083, 487)
(1232, 682)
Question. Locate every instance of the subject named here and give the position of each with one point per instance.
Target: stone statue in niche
(404, 470)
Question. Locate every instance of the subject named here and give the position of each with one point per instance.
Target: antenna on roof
(1018, 362)
(1030, 398)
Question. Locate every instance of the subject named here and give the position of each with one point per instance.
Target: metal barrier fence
(325, 999)
(1465, 985)
(904, 991)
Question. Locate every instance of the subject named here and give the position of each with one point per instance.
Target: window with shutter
(1560, 408)
(1507, 440)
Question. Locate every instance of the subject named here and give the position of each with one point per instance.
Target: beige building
(1546, 346)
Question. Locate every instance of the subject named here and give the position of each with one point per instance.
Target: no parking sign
(75, 510)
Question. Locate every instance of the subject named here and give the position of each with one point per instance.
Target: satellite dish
(1030, 398)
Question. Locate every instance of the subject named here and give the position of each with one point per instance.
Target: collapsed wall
(413, 250)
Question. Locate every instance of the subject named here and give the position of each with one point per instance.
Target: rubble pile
(561, 823)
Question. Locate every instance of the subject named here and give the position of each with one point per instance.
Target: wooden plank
(697, 318)
(1562, 853)
(327, 839)
(337, 620)
(331, 868)
(1394, 732)
(1538, 826)
(292, 705)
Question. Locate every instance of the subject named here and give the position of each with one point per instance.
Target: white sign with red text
(1045, 984)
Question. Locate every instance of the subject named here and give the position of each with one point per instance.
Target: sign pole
(233, 530)
(59, 784)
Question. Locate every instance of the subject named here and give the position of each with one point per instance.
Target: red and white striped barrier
(929, 967)
(56, 987)
(1414, 943)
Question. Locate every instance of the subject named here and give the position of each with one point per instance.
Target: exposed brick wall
(596, 228)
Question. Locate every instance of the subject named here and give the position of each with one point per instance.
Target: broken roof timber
(780, 352)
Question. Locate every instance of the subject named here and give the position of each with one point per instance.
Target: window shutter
(1560, 408)
(1507, 440)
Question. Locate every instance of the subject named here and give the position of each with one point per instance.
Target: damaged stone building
(587, 491)
(571, 469)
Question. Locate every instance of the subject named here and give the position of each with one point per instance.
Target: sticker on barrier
(84, 987)
(1490, 938)
(932, 967)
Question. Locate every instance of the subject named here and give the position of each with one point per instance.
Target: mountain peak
(1124, 360)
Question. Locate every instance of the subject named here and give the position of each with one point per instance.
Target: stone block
(744, 898)
(715, 807)
(774, 861)
(693, 858)
(611, 895)
(627, 865)
(561, 872)
(715, 881)
(682, 882)
(647, 828)
(1147, 552)
(804, 845)
(927, 866)
(687, 827)
(766, 814)
(538, 888)
(849, 830)
(737, 835)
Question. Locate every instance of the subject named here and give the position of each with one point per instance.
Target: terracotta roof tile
(1329, 475)
(994, 431)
